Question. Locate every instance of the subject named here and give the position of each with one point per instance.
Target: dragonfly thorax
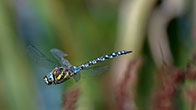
(58, 75)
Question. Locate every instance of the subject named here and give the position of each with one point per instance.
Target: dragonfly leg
(77, 76)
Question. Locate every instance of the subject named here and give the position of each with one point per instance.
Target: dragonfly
(65, 71)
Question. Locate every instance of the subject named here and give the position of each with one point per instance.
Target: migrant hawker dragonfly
(64, 72)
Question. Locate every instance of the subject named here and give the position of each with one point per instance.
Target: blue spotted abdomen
(99, 59)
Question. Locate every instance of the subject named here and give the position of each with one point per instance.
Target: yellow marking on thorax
(59, 77)
(65, 76)
(54, 72)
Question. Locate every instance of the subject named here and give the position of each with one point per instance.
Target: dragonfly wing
(36, 54)
(94, 71)
(91, 71)
(77, 77)
(60, 56)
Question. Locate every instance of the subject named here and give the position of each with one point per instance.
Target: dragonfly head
(48, 79)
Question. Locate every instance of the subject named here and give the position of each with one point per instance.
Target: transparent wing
(77, 77)
(91, 71)
(36, 54)
(94, 71)
(60, 56)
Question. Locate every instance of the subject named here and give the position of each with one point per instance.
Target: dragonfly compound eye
(47, 80)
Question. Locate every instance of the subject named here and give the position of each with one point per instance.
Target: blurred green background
(86, 29)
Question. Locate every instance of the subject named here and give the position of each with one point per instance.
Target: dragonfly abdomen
(99, 59)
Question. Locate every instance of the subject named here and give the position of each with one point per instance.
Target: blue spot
(94, 62)
(86, 65)
(74, 67)
(77, 70)
(50, 76)
(113, 53)
(119, 53)
(111, 56)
